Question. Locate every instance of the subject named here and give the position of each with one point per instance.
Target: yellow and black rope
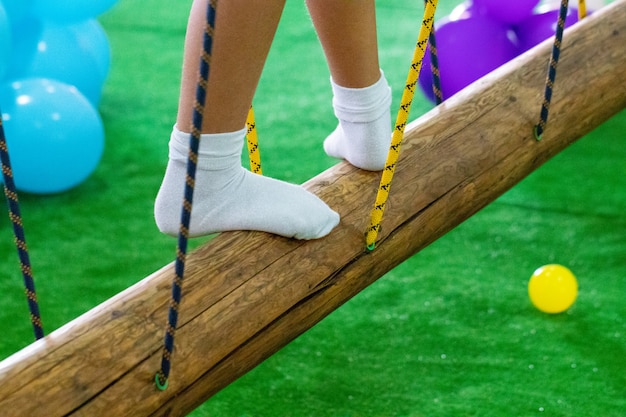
(400, 125)
(253, 144)
(582, 9)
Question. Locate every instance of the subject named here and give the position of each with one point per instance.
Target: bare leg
(347, 31)
(361, 95)
(227, 196)
(243, 35)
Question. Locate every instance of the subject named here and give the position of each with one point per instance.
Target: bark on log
(249, 294)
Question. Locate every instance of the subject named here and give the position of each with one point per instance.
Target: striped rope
(434, 66)
(253, 144)
(162, 376)
(18, 230)
(582, 9)
(401, 121)
(554, 61)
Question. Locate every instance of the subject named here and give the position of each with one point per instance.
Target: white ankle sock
(229, 197)
(363, 134)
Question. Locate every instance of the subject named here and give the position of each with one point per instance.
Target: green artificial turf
(449, 332)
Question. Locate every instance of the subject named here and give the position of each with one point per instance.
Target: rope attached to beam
(434, 66)
(18, 230)
(582, 9)
(554, 61)
(162, 376)
(401, 121)
(253, 144)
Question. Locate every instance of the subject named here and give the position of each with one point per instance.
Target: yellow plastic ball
(553, 289)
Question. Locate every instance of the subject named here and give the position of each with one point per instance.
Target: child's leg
(227, 196)
(361, 95)
(242, 39)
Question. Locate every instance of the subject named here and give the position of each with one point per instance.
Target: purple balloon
(467, 50)
(464, 10)
(510, 12)
(540, 26)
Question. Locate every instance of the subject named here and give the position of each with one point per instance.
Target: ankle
(216, 151)
(362, 105)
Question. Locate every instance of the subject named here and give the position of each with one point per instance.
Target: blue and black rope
(434, 65)
(554, 60)
(18, 230)
(162, 376)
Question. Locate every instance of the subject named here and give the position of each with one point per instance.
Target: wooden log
(248, 294)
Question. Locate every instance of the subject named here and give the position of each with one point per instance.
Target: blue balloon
(51, 50)
(54, 135)
(67, 11)
(92, 37)
(17, 9)
(5, 42)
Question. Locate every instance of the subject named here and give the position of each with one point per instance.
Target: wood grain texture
(248, 294)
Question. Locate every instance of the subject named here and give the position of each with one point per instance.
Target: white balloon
(591, 4)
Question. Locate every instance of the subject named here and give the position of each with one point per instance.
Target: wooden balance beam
(248, 294)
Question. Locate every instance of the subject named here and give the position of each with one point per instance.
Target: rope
(401, 121)
(162, 376)
(434, 66)
(554, 60)
(18, 230)
(582, 9)
(253, 144)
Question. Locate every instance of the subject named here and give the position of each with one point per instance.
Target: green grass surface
(448, 332)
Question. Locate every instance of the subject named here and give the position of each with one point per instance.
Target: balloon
(92, 37)
(5, 41)
(590, 4)
(70, 10)
(505, 11)
(54, 135)
(540, 26)
(464, 10)
(52, 50)
(17, 9)
(467, 50)
(1, 173)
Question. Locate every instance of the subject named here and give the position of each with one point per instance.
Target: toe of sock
(319, 229)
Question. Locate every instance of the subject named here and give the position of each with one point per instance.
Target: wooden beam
(248, 294)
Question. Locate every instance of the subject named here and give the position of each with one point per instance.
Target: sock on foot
(363, 134)
(229, 197)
